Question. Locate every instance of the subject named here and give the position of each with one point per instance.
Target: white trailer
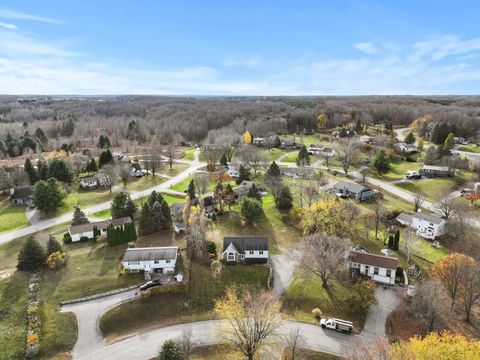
(336, 324)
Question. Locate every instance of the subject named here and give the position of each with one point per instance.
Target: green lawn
(13, 303)
(280, 235)
(11, 217)
(291, 157)
(176, 307)
(398, 170)
(83, 199)
(176, 169)
(189, 155)
(470, 148)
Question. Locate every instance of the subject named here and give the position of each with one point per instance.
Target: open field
(145, 182)
(11, 217)
(176, 307)
(470, 148)
(398, 170)
(189, 154)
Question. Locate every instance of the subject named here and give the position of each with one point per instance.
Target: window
(251, 252)
(375, 270)
(167, 261)
(389, 273)
(230, 256)
(156, 261)
(261, 252)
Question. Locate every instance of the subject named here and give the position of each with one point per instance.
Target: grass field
(83, 199)
(434, 189)
(398, 170)
(470, 148)
(177, 307)
(291, 157)
(11, 217)
(145, 182)
(189, 154)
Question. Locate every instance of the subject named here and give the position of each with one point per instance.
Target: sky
(240, 47)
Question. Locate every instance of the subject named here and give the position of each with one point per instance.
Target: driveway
(387, 300)
(284, 268)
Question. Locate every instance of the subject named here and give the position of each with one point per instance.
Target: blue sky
(239, 48)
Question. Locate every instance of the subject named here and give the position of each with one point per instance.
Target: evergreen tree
(439, 133)
(40, 135)
(105, 157)
(155, 215)
(91, 166)
(59, 170)
(449, 141)
(390, 242)
(170, 351)
(254, 193)
(381, 163)
(122, 206)
(53, 246)
(243, 174)
(343, 133)
(103, 142)
(410, 138)
(31, 172)
(31, 257)
(224, 159)
(250, 209)
(396, 240)
(42, 169)
(303, 158)
(284, 200)
(48, 195)
(79, 217)
(358, 127)
(273, 170)
(191, 190)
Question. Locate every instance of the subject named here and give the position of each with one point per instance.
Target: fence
(97, 296)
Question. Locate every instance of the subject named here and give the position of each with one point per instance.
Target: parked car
(412, 175)
(150, 284)
(336, 324)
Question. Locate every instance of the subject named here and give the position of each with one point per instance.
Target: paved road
(399, 132)
(284, 268)
(92, 346)
(164, 187)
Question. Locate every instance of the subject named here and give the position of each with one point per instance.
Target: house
(258, 141)
(209, 204)
(176, 210)
(234, 168)
(460, 140)
(151, 259)
(326, 152)
(244, 188)
(352, 190)
(378, 268)
(366, 139)
(136, 170)
(248, 249)
(95, 181)
(21, 195)
(432, 171)
(289, 144)
(77, 232)
(406, 148)
(297, 172)
(427, 226)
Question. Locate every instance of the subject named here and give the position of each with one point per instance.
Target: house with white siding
(426, 226)
(77, 232)
(152, 259)
(378, 268)
(247, 249)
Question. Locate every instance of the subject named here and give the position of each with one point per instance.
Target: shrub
(31, 257)
(317, 313)
(56, 260)
(132, 244)
(84, 238)
(212, 247)
(67, 239)
(32, 339)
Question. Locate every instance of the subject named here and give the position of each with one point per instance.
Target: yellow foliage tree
(247, 137)
(331, 217)
(322, 121)
(443, 346)
(450, 270)
(420, 144)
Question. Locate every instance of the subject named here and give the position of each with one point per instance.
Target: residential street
(164, 187)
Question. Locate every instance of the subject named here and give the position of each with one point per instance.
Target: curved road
(92, 346)
(163, 187)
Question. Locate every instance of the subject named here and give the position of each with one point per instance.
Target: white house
(432, 171)
(86, 230)
(152, 259)
(97, 180)
(427, 226)
(378, 268)
(248, 249)
(407, 148)
(258, 141)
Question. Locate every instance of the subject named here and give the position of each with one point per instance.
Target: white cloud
(366, 47)
(17, 15)
(8, 26)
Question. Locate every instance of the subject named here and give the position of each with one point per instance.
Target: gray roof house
(353, 190)
(151, 259)
(435, 171)
(246, 249)
(245, 187)
(21, 195)
(86, 230)
(426, 225)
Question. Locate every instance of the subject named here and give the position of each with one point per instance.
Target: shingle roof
(350, 187)
(404, 218)
(373, 260)
(435, 168)
(431, 218)
(176, 208)
(78, 229)
(151, 253)
(246, 243)
(21, 192)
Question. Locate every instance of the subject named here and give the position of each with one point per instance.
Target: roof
(435, 168)
(21, 192)
(245, 186)
(350, 187)
(150, 253)
(176, 208)
(430, 218)
(78, 229)
(404, 218)
(373, 260)
(246, 243)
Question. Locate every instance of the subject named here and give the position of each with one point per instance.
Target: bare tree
(376, 349)
(126, 173)
(186, 344)
(253, 320)
(197, 227)
(79, 161)
(294, 341)
(448, 206)
(379, 215)
(418, 201)
(112, 171)
(170, 153)
(348, 153)
(212, 155)
(250, 155)
(411, 243)
(430, 302)
(153, 159)
(470, 293)
(202, 180)
(5, 181)
(324, 255)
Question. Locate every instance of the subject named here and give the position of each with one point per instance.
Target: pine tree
(105, 157)
(79, 217)
(381, 162)
(59, 170)
(170, 351)
(410, 138)
(224, 159)
(243, 174)
(91, 166)
(48, 195)
(122, 206)
(396, 240)
(31, 257)
(390, 242)
(284, 200)
(53, 246)
(303, 158)
(42, 169)
(31, 172)
(273, 170)
(358, 127)
(254, 193)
